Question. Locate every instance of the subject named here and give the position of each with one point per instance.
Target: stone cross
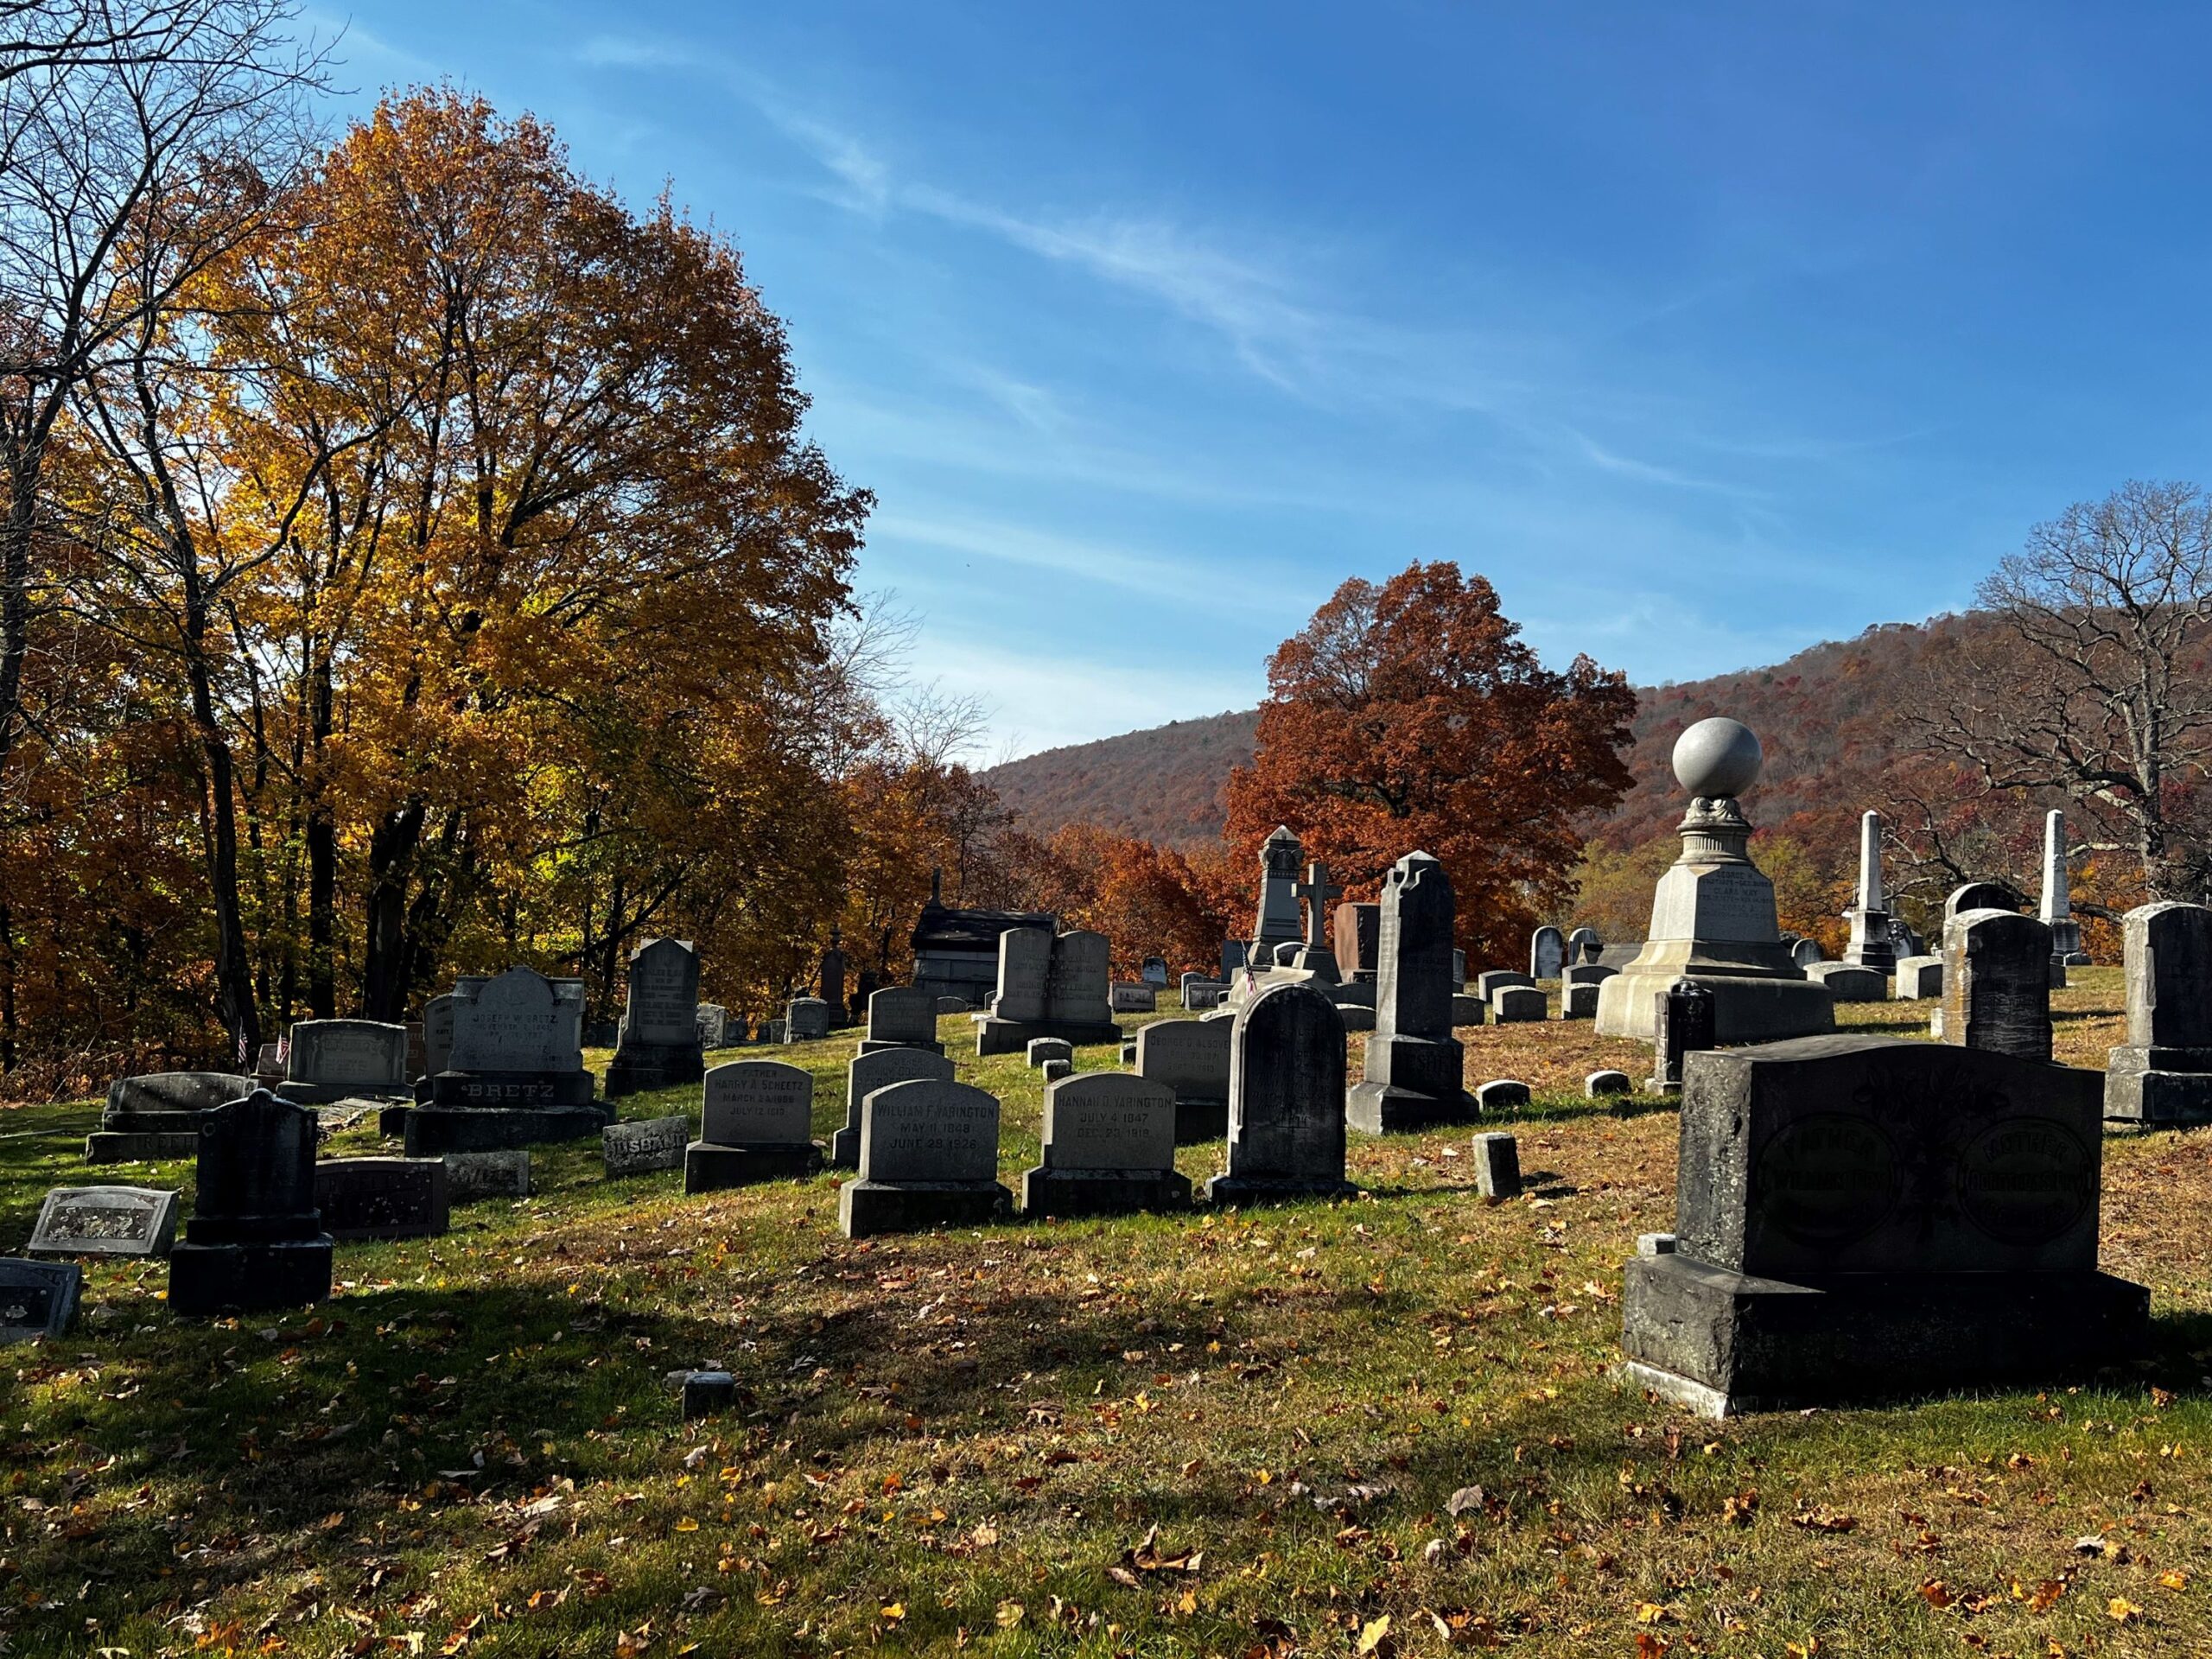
(1317, 890)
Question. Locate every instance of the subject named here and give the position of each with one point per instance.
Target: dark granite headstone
(2162, 1072)
(658, 1046)
(255, 1240)
(1997, 984)
(515, 1073)
(382, 1198)
(1870, 1217)
(1682, 1025)
(1414, 1077)
(1110, 1147)
(37, 1299)
(832, 982)
(1498, 1167)
(1356, 937)
(1980, 895)
(1286, 1100)
(118, 1221)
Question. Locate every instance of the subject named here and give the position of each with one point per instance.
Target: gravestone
(1919, 978)
(1583, 946)
(382, 1198)
(1110, 1147)
(1458, 971)
(515, 1074)
(658, 1046)
(1190, 1059)
(1997, 984)
(1846, 982)
(929, 1157)
(255, 1240)
(1414, 1072)
(1517, 1004)
(757, 1124)
(1049, 986)
(437, 1035)
(831, 979)
(1038, 1050)
(1872, 945)
(498, 1174)
(1233, 958)
(1154, 972)
(772, 1031)
(1287, 956)
(2057, 909)
(117, 1220)
(1278, 921)
(1468, 1010)
(1980, 895)
(1492, 981)
(1129, 1052)
(1357, 937)
(1123, 998)
(1682, 1025)
(1547, 953)
(806, 1019)
(1286, 1100)
(1807, 952)
(157, 1116)
(901, 1016)
(1053, 1070)
(713, 1025)
(869, 1072)
(644, 1146)
(38, 1299)
(1579, 1001)
(1870, 1217)
(1501, 1095)
(345, 1059)
(1198, 993)
(1025, 975)
(269, 1064)
(1598, 1084)
(953, 1005)
(1592, 974)
(2163, 1073)
(1498, 1167)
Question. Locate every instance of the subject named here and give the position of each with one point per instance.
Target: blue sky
(1706, 332)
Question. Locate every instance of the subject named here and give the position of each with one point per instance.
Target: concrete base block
(1102, 1191)
(430, 1130)
(115, 1147)
(1226, 1190)
(867, 1208)
(206, 1279)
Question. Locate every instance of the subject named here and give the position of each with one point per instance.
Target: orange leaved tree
(1413, 715)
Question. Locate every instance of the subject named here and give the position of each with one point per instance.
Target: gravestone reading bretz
(515, 1074)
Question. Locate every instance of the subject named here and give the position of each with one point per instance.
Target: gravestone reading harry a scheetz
(754, 1126)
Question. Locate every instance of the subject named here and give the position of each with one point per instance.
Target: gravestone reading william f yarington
(1286, 1100)
(1110, 1147)
(755, 1125)
(659, 1044)
(1415, 1065)
(869, 1072)
(929, 1157)
(255, 1240)
(1869, 1216)
(105, 1221)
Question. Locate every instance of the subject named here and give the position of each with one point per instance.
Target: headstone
(1919, 978)
(382, 1198)
(1468, 1010)
(2057, 911)
(1458, 971)
(869, 1072)
(1864, 1217)
(1501, 1095)
(1233, 958)
(645, 1144)
(1713, 913)
(952, 1005)
(1154, 973)
(1516, 1004)
(1848, 982)
(504, 1173)
(1903, 940)
(757, 1124)
(514, 1075)
(1997, 984)
(710, 1021)
(157, 1116)
(255, 1240)
(1133, 999)
(437, 1035)
(901, 1016)
(1129, 1052)
(269, 1064)
(1199, 994)
(1498, 1167)
(1278, 921)
(2163, 1073)
(1489, 982)
(1049, 986)
(340, 1059)
(1871, 944)
(929, 1157)
(1598, 1084)
(1025, 975)
(1547, 953)
(1583, 946)
(116, 1221)
(1806, 953)
(773, 1031)
(1110, 1147)
(1190, 1059)
(707, 1394)
(1682, 1024)
(806, 1019)
(1041, 1049)
(1579, 1001)
(658, 1046)
(1413, 1062)
(1980, 895)
(866, 983)
(37, 1299)
(1287, 955)
(831, 979)
(1592, 974)
(1286, 1100)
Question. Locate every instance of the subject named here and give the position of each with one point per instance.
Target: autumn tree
(1412, 715)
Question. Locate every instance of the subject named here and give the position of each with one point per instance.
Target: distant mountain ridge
(1827, 718)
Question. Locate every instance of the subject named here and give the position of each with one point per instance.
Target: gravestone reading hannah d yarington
(1110, 1147)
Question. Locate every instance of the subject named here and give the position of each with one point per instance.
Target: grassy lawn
(1385, 1425)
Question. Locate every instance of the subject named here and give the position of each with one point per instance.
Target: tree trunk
(233, 970)
(384, 964)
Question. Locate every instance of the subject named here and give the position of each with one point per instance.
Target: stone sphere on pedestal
(1717, 756)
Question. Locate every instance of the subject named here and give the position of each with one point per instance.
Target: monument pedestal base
(1745, 1009)
(1200, 1119)
(2158, 1085)
(866, 1208)
(430, 1130)
(1388, 1108)
(1241, 1190)
(1721, 1343)
(653, 1065)
(708, 1167)
(1102, 1191)
(206, 1280)
(996, 1036)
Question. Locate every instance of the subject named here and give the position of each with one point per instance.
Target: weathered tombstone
(1807, 952)
(1468, 1010)
(901, 1016)
(1025, 975)
(1287, 955)
(1049, 986)
(1846, 982)
(1515, 1004)
(1356, 937)
(382, 1198)
(255, 1240)
(269, 1064)
(157, 1116)
(1492, 981)
(1598, 1084)
(1233, 958)
(515, 1074)
(1980, 895)
(2163, 1073)
(707, 1394)
(1498, 1167)
(1077, 995)
(1458, 971)
(1583, 946)
(1579, 1001)
(832, 982)
(437, 1035)
(1547, 953)
(1190, 1058)
(773, 1031)
(869, 1072)
(953, 1005)
(1997, 984)
(1867, 1218)
(1038, 1050)
(658, 1046)
(1110, 1147)
(1129, 1052)
(806, 1019)
(1501, 1095)
(1592, 974)
(117, 1220)
(37, 1299)
(1682, 1024)
(343, 1059)
(713, 1025)
(1919, 978)
(1278, 921)
(1286, 1100)
(1133, 999)
(1053, 1070)
(929, 1157)
(644, 1146)
(2057, 911)
(1154, 972)
(1199, 993)
(757, 1124)
(1413, 1075)
(503, 1173)
(1871, 944)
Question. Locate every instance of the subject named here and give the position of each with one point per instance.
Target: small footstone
(706, 1393)
(1655, 1243)
(1919, 978)
(1055, 1069)
(1598, 1084)
(1128, 1053)
(1467, 1010)
(1041, 1049)
(1502, 1094)
(1848, 982)
(1498, 1167)
(37, 1299)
